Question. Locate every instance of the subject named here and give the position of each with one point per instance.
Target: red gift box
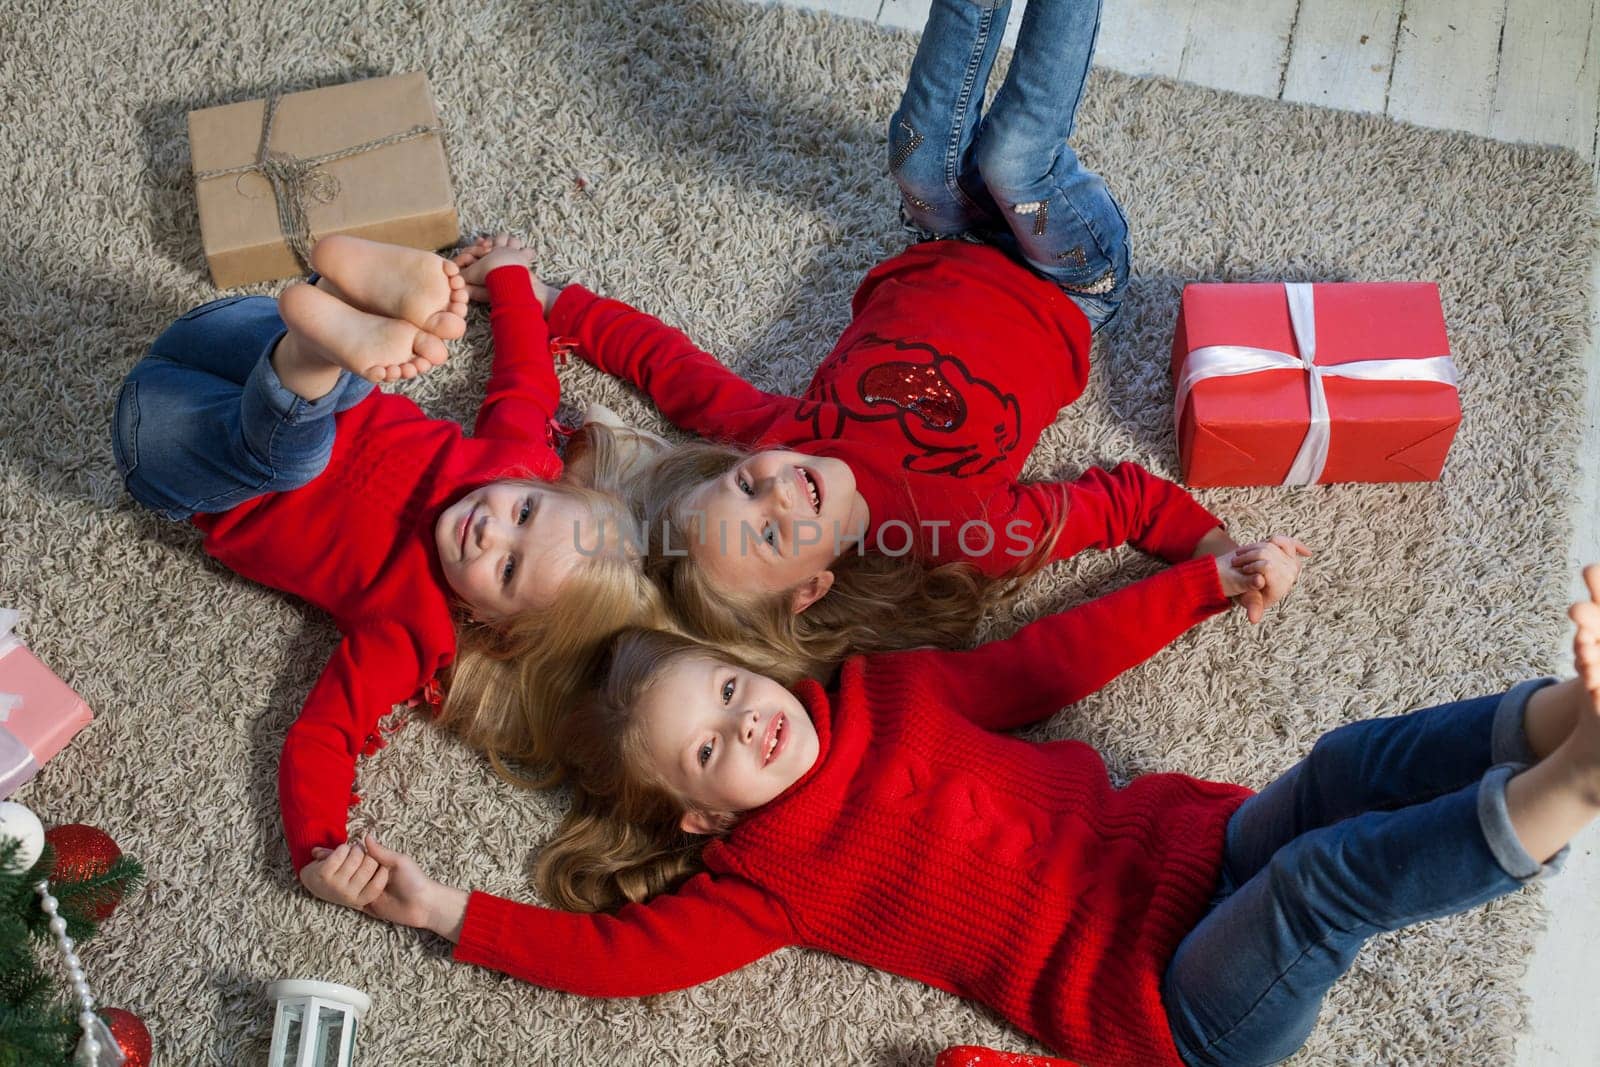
(39, 713)
(1376, 400)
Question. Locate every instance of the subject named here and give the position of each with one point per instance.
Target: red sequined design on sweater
(959, 424)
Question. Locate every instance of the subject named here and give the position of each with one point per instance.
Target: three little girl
(1171, 921)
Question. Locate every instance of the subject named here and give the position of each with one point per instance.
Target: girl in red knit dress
(1172, 921)
(257, 420)
(909, 441)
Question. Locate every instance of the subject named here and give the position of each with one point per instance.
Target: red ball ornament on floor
(84, 851)
(133, 1038)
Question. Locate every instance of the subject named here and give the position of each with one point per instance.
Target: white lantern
(315, 1023)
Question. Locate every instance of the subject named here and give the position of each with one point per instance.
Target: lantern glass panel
(331, 1024)
(294, 1020)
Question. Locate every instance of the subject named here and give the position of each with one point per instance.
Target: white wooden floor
(1514, 70)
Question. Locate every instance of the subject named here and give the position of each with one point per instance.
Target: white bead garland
(89, 1046)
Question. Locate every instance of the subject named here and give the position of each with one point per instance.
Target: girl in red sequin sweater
(908, 442)
(1171, 921)
(907, 446)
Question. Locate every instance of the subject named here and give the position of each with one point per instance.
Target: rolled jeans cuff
(1495, 819)
(1508, 737)
(264, 387)
(266, 399)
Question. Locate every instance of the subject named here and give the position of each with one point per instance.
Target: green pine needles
(38, 1014)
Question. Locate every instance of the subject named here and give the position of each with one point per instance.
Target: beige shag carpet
(733, 183)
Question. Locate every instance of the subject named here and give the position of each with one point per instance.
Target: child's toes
(449, 324)
(430, 348)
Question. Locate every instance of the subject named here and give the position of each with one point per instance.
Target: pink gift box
(39, 713)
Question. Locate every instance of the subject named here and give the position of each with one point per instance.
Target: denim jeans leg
(1062, 218)
(1245, 985)
(1379, 765)
(931, 133)
(203, 423)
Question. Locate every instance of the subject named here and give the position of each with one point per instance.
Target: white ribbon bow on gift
(1216, 361)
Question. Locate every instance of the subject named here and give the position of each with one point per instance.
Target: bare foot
(378, 349)
(1586, 658)
(396, 282)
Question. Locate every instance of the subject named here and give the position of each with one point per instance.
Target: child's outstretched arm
(693, 389)
(1127, 504)
(1062, 658)
(523, 392)
(374, 668)
(705, 928)
(1103, 509)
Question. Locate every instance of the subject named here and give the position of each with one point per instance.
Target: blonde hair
(513, 680)
(877, 603)
(622, 840)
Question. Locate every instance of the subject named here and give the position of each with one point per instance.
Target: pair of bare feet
(380, 311)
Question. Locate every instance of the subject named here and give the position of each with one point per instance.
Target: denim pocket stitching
(125, 430)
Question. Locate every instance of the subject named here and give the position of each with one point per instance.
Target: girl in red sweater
(1172, 921)
(909, 441)
(257, 420)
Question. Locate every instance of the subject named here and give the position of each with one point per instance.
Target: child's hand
(1236, 584)
(411, 898)
(347, 875)
(486, 253)
(1276, 561)
(1586, 642)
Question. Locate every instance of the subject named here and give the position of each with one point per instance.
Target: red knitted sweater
(997, 869)
(357, 541)
(957, 358)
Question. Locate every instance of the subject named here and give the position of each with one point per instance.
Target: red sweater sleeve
(706, 928)
(1106, 508)
(692, 388)
(373, 669)
(522, 393)
(1062, 658)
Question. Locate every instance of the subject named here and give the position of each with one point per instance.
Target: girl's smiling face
(507, 547)
(776, 521)
(725, 739)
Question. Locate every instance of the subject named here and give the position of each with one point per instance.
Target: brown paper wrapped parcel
(272, 176)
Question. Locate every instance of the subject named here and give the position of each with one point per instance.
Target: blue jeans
(1386, 823)
(203, 423)
(1009, 177)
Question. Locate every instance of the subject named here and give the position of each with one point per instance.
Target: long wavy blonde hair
(877, 603)
(622, 840)
(513, 680)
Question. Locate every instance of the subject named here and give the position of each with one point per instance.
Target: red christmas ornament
(83, 852)
(133, 1038)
